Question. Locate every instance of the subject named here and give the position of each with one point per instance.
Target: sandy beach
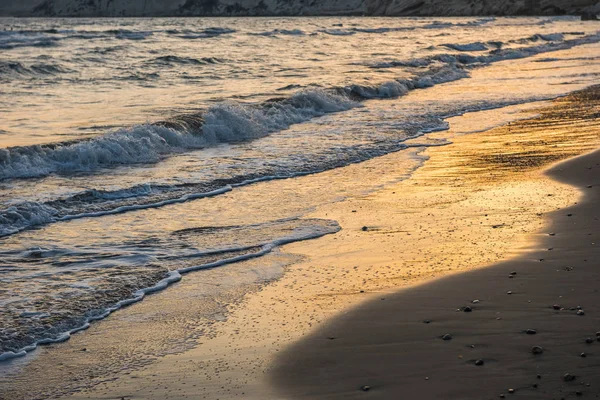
(527, 327)
(343, 330)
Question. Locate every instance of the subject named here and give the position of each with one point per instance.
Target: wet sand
(394, 346)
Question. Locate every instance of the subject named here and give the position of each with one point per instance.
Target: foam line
(172, 277)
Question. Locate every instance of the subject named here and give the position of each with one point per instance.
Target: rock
(467, 309)
(588, 16)
(583, 355)
(537, 349)
(511, 391)
(598, 334)
(509, 292)
(556, 307)
(447, 336)
(513, 273)
(477, 301)
(426, 321)
(530, 331)
(364, 228)
(589, 340)
(365, 388)
(580, 312)
(568, 377)
(538, 376)
(479, 362)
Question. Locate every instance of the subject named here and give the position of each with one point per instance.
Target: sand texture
(394, 347)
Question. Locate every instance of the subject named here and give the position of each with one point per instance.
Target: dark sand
(387, 346)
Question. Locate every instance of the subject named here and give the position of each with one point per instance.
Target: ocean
(124, 143)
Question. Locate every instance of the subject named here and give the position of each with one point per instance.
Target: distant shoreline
(273, 9)
(575, 14)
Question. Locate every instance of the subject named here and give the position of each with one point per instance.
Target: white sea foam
(298, 234)
(476, 46)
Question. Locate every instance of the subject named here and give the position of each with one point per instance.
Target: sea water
(124, 142)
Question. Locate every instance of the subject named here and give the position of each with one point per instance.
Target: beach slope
(525, 328)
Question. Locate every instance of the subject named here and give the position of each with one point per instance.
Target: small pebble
(579, 393)
(365, 388)
(479, 362)
(589, 340)
(530, 331)
(426, 321)
(535, 385)
(467, 309)
(513, 273)
(568, 377)
(511, 391)
(580, 312)
(537, 349)
(447, 336)
(583, 355)
(556, 307)
(598, 333)
(509, 292)
(477, 301)
(538, 376)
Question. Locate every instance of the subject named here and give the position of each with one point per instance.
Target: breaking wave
(201, 34)
(495, 55)
(171, 60)
(17, 70)
(223, 123)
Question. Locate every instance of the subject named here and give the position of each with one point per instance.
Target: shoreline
(397, 346)
(236, 360)
(327, 276)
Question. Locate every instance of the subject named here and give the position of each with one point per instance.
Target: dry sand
(494, 317)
